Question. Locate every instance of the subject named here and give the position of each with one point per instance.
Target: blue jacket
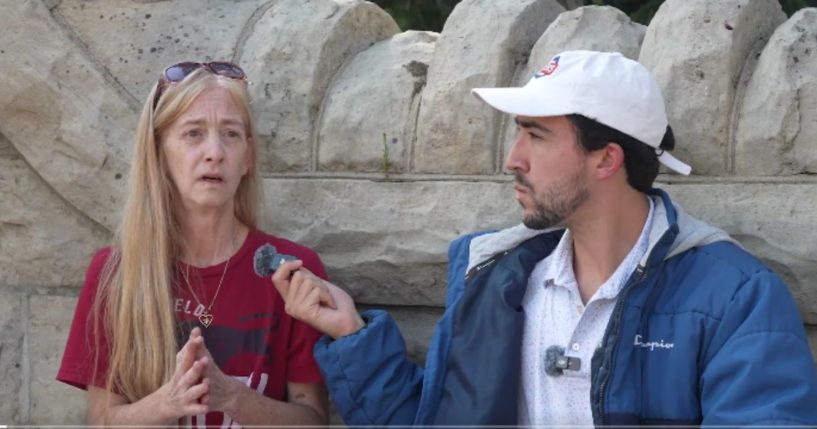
(739, 355)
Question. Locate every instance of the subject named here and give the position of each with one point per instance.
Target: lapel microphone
(556, 363)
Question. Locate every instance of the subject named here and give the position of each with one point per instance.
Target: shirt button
(579, 308)
(575, 347)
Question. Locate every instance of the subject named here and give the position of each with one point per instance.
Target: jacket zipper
(475, 270)
(640, 274)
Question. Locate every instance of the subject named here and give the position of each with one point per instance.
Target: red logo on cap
(548, 69)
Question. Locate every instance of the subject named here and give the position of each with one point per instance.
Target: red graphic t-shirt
(251, 337)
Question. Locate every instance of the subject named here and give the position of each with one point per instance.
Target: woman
(172, 324)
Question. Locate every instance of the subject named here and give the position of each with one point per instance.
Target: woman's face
(207, 151)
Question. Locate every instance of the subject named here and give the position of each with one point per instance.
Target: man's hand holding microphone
(307, 297)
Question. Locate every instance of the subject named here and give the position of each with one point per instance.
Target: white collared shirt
(556, 316)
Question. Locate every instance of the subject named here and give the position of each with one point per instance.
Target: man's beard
(556, 202)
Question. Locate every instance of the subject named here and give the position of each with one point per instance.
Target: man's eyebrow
(523, 123)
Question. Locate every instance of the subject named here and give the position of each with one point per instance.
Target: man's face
(549, 170)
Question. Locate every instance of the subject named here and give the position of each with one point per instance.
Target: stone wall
(373, 150)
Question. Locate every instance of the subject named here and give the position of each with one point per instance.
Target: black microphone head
(552, 356)
(262, 262)
(267, 260)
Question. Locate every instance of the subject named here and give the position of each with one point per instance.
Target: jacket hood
(669, 220)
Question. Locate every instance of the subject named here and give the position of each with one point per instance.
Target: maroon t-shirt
(251, 337)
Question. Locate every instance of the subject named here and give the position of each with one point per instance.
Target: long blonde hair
(136, 285)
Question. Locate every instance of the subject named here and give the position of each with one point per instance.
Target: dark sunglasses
(177, 72)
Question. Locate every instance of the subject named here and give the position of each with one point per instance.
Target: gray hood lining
(691, 233)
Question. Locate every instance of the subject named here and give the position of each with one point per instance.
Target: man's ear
(609, 161)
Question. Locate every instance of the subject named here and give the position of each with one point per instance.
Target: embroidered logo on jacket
(652, 345)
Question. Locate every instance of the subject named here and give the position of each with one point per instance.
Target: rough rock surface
(43, 241)
(480, 45)
(386, 242)
(146, 37)
(372, 104)
(777, 124)
(291, 56)
(12, 325)
(49, 323)
(59, 111)
(699, 80)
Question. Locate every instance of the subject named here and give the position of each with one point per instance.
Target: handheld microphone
(267, 260)
(556, 363)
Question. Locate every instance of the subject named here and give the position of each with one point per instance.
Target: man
(608, 306)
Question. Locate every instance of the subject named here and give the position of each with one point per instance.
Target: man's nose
(516, 160)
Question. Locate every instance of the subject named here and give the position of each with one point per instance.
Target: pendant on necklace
(206, 319)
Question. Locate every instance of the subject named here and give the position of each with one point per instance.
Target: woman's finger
(198, 392)
(186, 356)
(194, 374)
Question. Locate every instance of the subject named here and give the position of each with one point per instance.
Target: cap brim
(522, 101)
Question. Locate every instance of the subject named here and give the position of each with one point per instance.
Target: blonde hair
(136, 285)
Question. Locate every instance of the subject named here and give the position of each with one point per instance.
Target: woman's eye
(193, 133)
(232, 134)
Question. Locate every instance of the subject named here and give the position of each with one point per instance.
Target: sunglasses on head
(177, 72)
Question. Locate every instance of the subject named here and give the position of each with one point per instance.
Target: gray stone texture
(777, 124)
(697, 49)
(294, 50)
(386, 242)
(480, 45)
(135, 41)
(368, 119)
(12, 327)
(594, 28)
(48, 325)
(43, 240)
(59, 111)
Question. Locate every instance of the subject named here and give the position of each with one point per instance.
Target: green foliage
(431, 14)
(640, 11)
(791, 6)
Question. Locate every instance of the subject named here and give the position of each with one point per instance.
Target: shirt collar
(560, 267)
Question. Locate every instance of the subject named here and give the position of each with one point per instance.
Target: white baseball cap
(603, 86)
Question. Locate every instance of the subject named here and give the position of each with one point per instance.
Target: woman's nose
(215, 147)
